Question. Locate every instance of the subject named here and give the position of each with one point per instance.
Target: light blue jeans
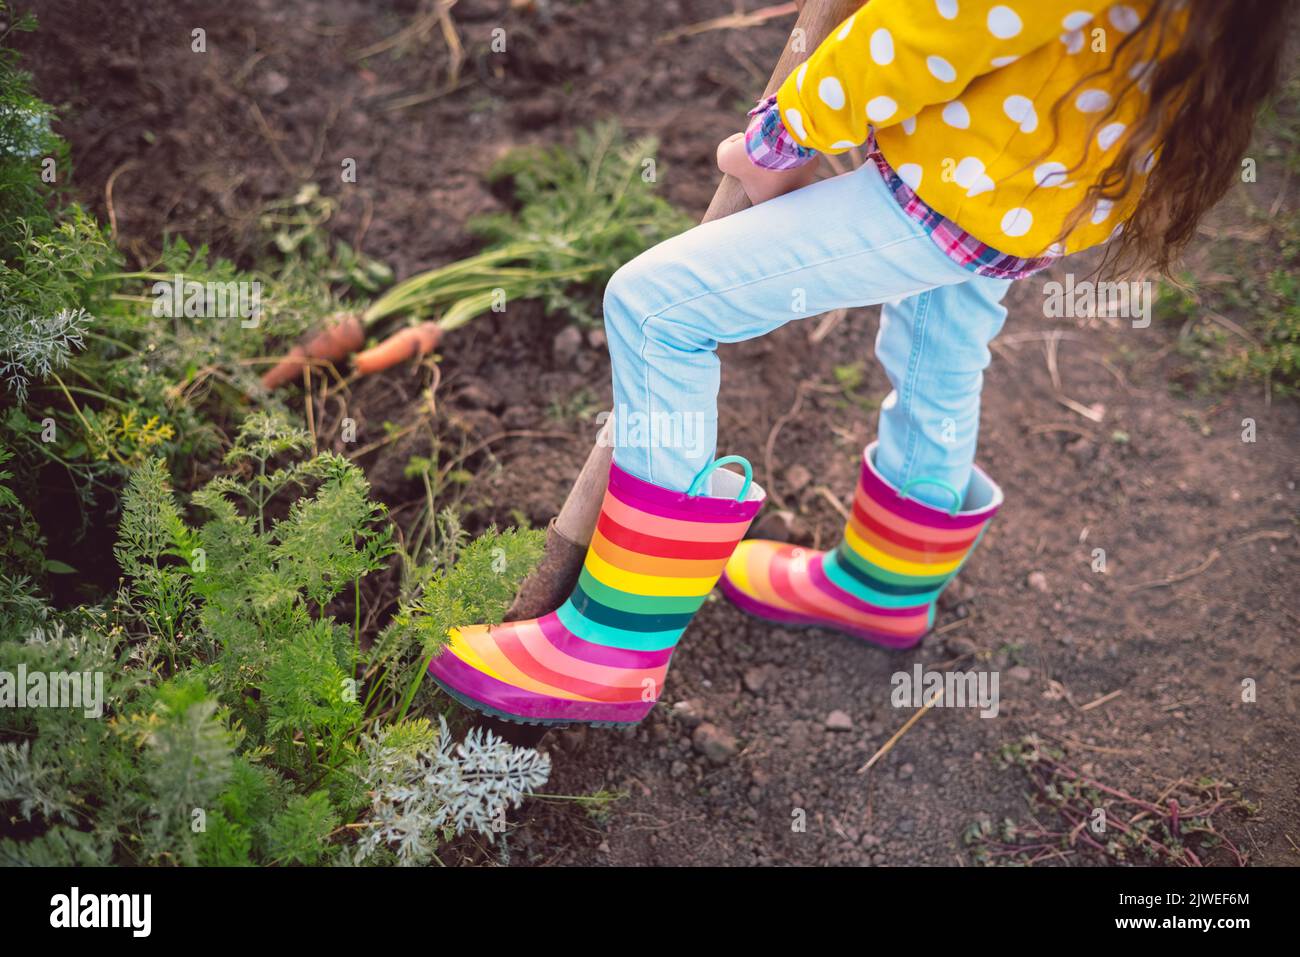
(837, 243)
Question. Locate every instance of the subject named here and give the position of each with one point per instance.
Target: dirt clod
(566, 344)
(779, 525)
(1082, 450)
(959, 646)
(797, 477)
(476, 395)
(839, 721)
(688, 713)
(714, 743)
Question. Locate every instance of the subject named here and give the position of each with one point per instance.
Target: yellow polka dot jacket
(960, 94)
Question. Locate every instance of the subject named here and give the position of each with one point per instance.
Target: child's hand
(761, 184)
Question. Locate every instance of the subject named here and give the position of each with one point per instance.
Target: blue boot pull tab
(956, 496)
(725, 460)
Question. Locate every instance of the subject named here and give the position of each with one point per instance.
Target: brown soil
(194, 144)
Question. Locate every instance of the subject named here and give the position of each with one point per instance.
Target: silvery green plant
(34, 787)
(38, 345)
(426, 786)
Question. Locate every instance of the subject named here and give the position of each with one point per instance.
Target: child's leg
(840, 242)
(902, 544)
(934, 347)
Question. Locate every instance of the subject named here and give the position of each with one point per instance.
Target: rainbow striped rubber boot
(882, 581)
(602, 656)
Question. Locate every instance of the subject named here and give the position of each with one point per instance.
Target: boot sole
(551, 723)
(763, 612)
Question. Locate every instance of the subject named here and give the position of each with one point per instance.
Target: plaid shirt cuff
(768, 144)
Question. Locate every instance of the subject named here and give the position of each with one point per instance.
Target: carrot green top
(960, 94)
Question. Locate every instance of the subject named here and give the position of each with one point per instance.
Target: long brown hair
(1204, 98)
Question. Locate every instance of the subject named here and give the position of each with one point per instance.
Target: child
(1001, 136)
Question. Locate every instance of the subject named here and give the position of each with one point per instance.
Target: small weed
(1015, 652)
(580, 406)
(1072, 813)
(851, 378)
(1244, 326)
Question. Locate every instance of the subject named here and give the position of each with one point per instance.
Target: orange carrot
(407, 344)
(344, 336)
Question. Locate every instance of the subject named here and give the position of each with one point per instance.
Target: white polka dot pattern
(961, 97)
(794, 120)
(1004, 23)
(1092, 101)
(1020, 110)
(881, 108)
(1109, 135)
(882, 47)
(910, 173)
(956, 115)
(940, 69)
(1016, 221)
(1123, 18)
(831, 91)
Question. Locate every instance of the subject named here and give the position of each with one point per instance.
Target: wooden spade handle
(815, 22)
